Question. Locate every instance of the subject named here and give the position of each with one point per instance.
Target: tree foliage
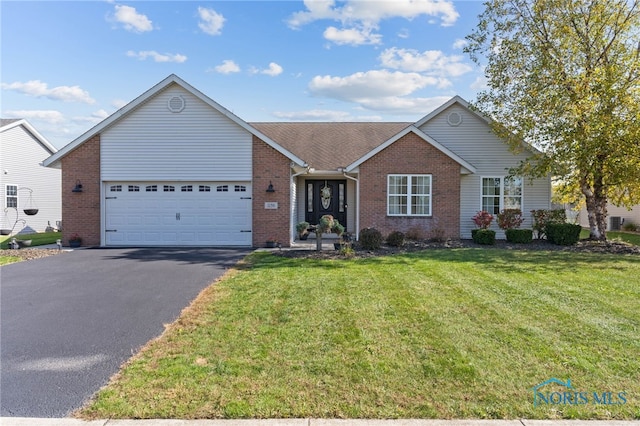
(564, 76)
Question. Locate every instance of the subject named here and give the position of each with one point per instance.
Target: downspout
(357, 202)
(292, 224)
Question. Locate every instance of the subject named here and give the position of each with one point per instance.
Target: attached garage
(177, 214)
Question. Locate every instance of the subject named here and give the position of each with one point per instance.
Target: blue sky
(65, 66)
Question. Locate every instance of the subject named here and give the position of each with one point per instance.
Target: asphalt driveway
(68, 322)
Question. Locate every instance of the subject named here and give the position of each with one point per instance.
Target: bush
(483, 236)
(483, 219)
(629, 226)
(542, 218)
(510, 218)
(415, 233)
(521, 236)
(564, 234)
(396, 239)
(370, 239)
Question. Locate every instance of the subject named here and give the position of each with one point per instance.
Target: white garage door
(178, 214)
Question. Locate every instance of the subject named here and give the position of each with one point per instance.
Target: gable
(470, 136)
(175, 135)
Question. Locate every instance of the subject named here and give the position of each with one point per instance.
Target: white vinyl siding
(409, 195)
(474, 141)
(197, 144)
(21, 155)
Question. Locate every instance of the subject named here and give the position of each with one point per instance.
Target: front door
(326, 197)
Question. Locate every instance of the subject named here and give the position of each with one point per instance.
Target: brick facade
(269, 166)
(411, 155)
(81, 210)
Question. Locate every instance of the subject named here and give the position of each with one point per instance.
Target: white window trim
(409, 195)
(502, 191)
(6, 196)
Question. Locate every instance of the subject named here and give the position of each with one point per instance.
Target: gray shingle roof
(7, 121)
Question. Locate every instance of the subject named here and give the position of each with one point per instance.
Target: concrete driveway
(67, 322)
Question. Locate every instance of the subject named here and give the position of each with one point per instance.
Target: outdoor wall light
(78, 187)
(270, 188)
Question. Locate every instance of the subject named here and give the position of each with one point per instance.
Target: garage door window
(240, 188)
(169, 188)
(204, 188)
(115, 188)
(134, 188)
(222, 188)
(186, 188)
(151, 188)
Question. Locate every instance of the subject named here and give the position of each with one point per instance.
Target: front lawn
(38, 239)
(460, 333)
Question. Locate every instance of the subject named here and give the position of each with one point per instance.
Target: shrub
(415, 233)
(437, 235)
(542, 218)
(510, 219)
(564, 234)
(629, 226)
(483, 219)
(522, 236)
(370, 239)
(483, 236)
(396, 239)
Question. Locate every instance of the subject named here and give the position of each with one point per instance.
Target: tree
(564, 76)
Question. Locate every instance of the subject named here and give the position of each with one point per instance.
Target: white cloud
(400, 105)
(430, 61)
(362, 17)
(132, 20)
(351, 36)
(157, 57)
(118, 103)
(41, 90)
(211, 22)
(273, 70)
(227, 67)
(47, 116)
(314, 115)
(480, 83)
(460, 43)
(370, 84)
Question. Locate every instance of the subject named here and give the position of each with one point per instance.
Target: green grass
(462, 333)
(628, 237)
(38, 239)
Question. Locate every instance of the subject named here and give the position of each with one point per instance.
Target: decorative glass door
(326, 197)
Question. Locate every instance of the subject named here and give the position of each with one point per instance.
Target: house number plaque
(271, 205)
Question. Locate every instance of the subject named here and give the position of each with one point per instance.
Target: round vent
(454, 119)
(176, 104)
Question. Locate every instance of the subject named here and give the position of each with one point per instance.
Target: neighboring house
(173, 167)
(616, 217)
(25, 184)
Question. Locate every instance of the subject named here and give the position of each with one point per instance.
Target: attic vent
(454, 119)
(176, 104)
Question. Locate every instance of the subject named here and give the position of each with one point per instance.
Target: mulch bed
(30, 254)
(585, 246)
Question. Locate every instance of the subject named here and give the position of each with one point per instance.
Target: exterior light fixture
(78, 187)
(270, 188)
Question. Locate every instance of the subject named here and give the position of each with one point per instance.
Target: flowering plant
(483, 219)
(510, 219)
(75, 237)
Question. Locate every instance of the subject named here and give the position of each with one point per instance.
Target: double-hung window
(409, 195)
(499, 193)
(11, 193)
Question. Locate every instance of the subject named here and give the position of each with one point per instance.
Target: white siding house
(468, 134)
(24, 182)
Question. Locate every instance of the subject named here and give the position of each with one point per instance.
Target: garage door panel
(205, 218)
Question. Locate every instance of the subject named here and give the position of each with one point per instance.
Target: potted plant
(337, 229)
(303, 230)
(325, 224)
(75, 241)
(272, 242)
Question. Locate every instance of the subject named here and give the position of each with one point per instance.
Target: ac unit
(616, 223)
